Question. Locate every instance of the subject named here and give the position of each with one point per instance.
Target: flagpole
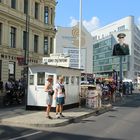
(80, 31)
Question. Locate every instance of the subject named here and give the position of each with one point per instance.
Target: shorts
(49, 99)
(60, 100)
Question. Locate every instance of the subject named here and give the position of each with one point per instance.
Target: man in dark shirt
(120, 48)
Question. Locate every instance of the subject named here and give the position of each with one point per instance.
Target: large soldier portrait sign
(120, 48)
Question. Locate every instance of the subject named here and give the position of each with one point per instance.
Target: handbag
(51, 92)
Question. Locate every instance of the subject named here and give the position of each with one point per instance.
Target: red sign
(20, 61)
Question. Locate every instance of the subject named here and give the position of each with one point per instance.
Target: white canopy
(127, 80)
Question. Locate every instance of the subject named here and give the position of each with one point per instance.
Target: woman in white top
(49, 93)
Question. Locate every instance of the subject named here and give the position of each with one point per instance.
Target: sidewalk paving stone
(22, 117)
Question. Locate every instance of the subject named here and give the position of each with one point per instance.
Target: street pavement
(122, 122)
(26, 118)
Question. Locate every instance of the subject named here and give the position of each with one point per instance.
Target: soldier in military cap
(121, 48)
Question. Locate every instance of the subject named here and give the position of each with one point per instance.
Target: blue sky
(96, 13)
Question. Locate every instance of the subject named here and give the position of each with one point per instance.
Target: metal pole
(26, 47)
(26, 56)
(121, 69)
(80, 31)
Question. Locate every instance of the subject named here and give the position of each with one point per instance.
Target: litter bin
(83, 95)
(93, 99)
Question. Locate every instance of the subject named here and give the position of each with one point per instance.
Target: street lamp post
(80, 31)
(26, 55)
(121, 69)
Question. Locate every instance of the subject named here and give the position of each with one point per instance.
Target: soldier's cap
(121, 35)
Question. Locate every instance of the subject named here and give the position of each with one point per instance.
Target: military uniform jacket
(120, 49)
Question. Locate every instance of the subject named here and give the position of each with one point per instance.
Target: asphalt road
(121, 123)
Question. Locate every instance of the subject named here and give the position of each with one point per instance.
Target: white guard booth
(37, 76)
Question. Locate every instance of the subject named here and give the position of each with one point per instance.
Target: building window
(77, 80)
(51, 15)
(24, 40)
(72, 80)
(25, 6)
(13, 4)
(66, 80)
(121, 28)
(12, 66)
(31, 80)
(45, 45)
(0, 33)
(36, 10)
(46, 14)
(0, 69)
(36, 43)
(51, 45)
(13, 37)
(41, 78)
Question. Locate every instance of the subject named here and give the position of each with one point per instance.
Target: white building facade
(67, 42)
(104, 39)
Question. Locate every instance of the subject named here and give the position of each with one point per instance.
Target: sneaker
(57, 116)
(61, 115)
(49, 117)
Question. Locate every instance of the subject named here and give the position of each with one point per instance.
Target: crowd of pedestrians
(12, 84)
(12, 90)
(110, 89)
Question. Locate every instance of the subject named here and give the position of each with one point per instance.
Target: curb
(65, 122)
(94, 113)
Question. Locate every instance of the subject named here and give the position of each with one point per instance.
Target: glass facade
(103, 61)
(137, 53)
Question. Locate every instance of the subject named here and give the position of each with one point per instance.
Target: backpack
(62, 88)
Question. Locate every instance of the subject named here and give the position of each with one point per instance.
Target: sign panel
(74, 57)
(56, 60)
